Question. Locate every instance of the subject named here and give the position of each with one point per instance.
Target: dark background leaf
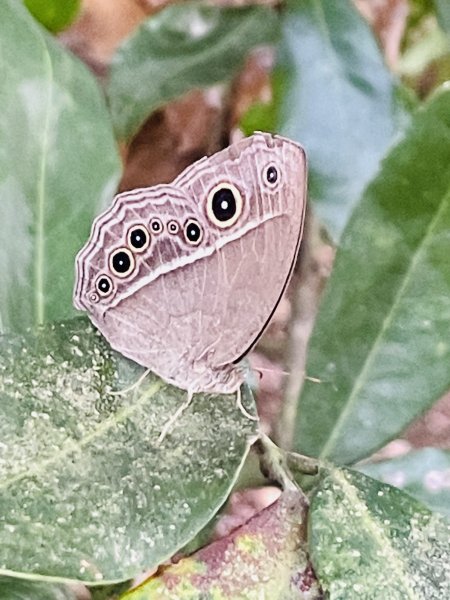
(22, 589)
(380, 345)
(183, 47)
(340, 101)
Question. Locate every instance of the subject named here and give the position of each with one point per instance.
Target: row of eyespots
(122, 261)
(223, 208)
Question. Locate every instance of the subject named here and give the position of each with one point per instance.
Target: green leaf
(265, 558)
(443, 14)
(380, 345)
(340, 102)
(54, 14)
(86, 491)
(58, 166)
(370, 540)
(425, 474)
(181, 48)
(21, 589)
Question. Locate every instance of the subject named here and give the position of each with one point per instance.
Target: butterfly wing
(244, 279)
(190, 298)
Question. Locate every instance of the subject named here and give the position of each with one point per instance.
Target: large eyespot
(156, 226)
(104, 285)
(271, 175)
(193, 232)
(173, 227)
(138, 238)
(121, 262)
(224, 205)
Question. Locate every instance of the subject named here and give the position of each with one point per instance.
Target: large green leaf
(381, 342)
(340, 102)
(22, 589)
(58, 165)
(181, 48)
(370, 540)
(425, 474)
(443, 13)
(86, 491)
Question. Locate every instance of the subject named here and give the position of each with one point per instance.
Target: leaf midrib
(71, 446)
(193, 61)
(383, 541)
(387, 321)
(39, 293)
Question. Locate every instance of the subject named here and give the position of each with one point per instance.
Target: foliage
(366, 362)
(50, 105)
(53, 14)
(88, 493)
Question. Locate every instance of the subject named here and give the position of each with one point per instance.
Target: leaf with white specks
(86, 492)
(371, 540)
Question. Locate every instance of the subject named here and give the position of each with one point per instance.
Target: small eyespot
(271, 175)
(93, 298)
(156, 226)
(122, 262)
(224, 205)
(193, 232)
(173, 227)
(138, 238)
(104, 286)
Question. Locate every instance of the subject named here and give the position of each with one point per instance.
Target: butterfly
(183, 278)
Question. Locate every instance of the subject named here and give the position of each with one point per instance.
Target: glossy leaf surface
(86, 491)
(425, 474)
(181, 48)
(380, 346)
(370, 540)
(340, 102)
(58, 165)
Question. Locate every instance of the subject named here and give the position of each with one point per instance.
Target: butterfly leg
(133, 386)
(241, 406)
(169, 424)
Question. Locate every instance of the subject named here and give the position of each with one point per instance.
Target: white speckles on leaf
(98, 499)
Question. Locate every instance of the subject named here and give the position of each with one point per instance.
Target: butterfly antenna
(241, 407)
(313, 379)
(262, 370)
(132, 386)
(169, 424)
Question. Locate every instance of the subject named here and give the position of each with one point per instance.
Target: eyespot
(271, 175)
(104, 286)
(93, 298)
(173, 227)
(122, 262)
(224, 205)
(193, 232)
(138, 238)
(156, 226)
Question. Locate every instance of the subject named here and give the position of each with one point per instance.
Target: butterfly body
(183, 278)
